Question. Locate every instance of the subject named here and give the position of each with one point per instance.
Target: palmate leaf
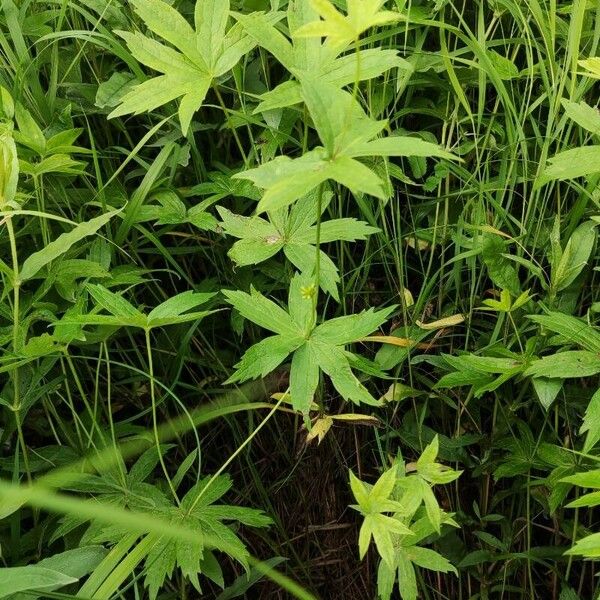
(346, 133)
(189, 69)
(297, 333)
(200, 514)
(304, 55)
(343, 30)
(293, 232)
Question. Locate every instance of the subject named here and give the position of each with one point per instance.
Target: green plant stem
(230, 125)
(16, 343)
(238, 450)
(154, 413)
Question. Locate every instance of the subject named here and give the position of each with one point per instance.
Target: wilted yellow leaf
(319, 429)
(441, 323)
(357, 418)
(395, 341)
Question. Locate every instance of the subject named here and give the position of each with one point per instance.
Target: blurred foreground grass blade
(40, 497)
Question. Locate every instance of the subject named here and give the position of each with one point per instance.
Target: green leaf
(343, 30)
(29, 133)
(31, 578)
(36, 261)
(565, 365)
(588, 546)
(575, 256)
(500, 270)
(161, 18)
(591, 423)
(187, 72)
(360, 492)
(386, 578)
(407, 580)
(396, 145)
(9, 168)
(546, 390)
(333, 361)
(304, 378)
(570, 164)
(267, 36)
(429, 559)
(265, 356)
(115, 304)
(301, 301)
(347, 229)
(382, 528)
(210, 17)
(350, 328)
(160, 565)
(304, 258)
(258, 309)
(110, 92)
(504, 67)
(571, 328)
(173, 309)
(583, 114)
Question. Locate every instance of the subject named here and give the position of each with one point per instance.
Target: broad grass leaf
(586, 479)
(591, 423)
(571, 328)
(482, 364)
(588, 546)
(77, 562)
(583, 114)
(575, 256)
(36, 261)
(566, 365)
(570, 164)
(450, 321)
(176, 306)
(31, 578)
(592, 65)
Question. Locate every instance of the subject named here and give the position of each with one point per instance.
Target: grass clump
(299, 299)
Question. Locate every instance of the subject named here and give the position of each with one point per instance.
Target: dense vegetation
(299, 299)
